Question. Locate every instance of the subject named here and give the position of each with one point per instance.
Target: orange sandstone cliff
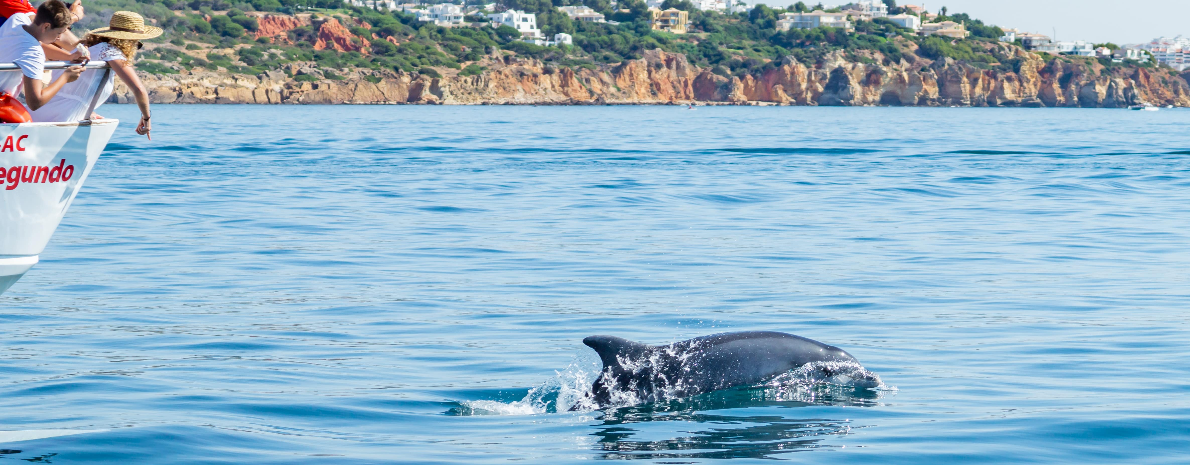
(666, 78)
(331, 33)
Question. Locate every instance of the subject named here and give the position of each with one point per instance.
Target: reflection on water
(43, 458)
(704, 427)
(730, 437)
(761, 396)
(748, 422)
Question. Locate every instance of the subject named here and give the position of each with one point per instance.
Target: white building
(442, 14)
(1041, 43)
(583, 13)
(812, 20)
(1036, 42)
(1076, 47)
(1130, 52)
(1009, 35)
(375, 4)
(560, 38)
(906, 21)
(711, 5)
(738, 6)
(946, 29)
(519, 20)
(1174, 52)
(869, 9)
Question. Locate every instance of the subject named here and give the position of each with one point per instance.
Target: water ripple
(390, 284)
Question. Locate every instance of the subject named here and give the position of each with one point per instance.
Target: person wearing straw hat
(117, 45)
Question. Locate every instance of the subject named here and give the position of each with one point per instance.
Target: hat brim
(149, 33)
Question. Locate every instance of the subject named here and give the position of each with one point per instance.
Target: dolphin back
(755, 346)
(614, 350)
(703, 364)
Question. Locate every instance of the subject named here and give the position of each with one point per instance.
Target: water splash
(569, 389)
(833, 373)
(818, 383)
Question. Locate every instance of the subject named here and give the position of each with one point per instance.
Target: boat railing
(93, 93)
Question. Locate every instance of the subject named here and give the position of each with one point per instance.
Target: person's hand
(80, 54)
(144, 127)
(76, 9)
(72, 73)
(95, 116)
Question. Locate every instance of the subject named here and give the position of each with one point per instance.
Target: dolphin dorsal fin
(611, 349)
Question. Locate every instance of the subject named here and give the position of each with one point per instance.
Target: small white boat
(1143, 107)
(42, 168)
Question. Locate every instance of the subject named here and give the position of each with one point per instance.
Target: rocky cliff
(330, 32)
(665, 78)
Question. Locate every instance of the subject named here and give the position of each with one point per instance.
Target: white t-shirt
(70, 104)
(20, 47)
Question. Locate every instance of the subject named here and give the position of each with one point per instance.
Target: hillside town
(863, 52)
(1172, 52)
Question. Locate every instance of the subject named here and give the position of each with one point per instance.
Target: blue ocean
(412, 284)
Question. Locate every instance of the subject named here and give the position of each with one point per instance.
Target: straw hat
(127, 25)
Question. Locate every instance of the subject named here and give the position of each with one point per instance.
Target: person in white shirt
(116, 45)
(58, 50)
(21, 38)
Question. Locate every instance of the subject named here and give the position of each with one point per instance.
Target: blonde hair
(126, 46)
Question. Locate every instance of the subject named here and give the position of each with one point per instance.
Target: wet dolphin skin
(635, 373)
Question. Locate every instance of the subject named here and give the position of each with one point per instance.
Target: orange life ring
(12, 111)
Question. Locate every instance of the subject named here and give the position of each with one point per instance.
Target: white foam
(491, 407)
(570, 389)
(31, 434)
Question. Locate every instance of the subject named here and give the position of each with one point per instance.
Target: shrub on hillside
(246, 22)
(471, 70)
(199, 25)
(224, 26)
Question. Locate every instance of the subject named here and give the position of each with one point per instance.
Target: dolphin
(635, 373)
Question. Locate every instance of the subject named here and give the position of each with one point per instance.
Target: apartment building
(519, 20)
(946, 28)
(817, 18)
(583, 13)
(671, 20)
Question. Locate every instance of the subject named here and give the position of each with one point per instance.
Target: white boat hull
(50, 161)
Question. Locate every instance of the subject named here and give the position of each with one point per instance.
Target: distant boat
(1143, 107)
(42, 168)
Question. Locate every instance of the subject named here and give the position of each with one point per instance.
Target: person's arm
(66, 47)
(56, 52)
(37, 94)
(128, 74)
(67, 41)
(76, 9)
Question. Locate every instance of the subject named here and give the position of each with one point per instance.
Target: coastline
(661, 78)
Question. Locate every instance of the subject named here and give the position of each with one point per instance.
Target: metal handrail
(54, 65)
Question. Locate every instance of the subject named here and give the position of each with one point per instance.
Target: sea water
(411, 284)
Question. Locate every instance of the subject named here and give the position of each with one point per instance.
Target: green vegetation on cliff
(729, 44)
